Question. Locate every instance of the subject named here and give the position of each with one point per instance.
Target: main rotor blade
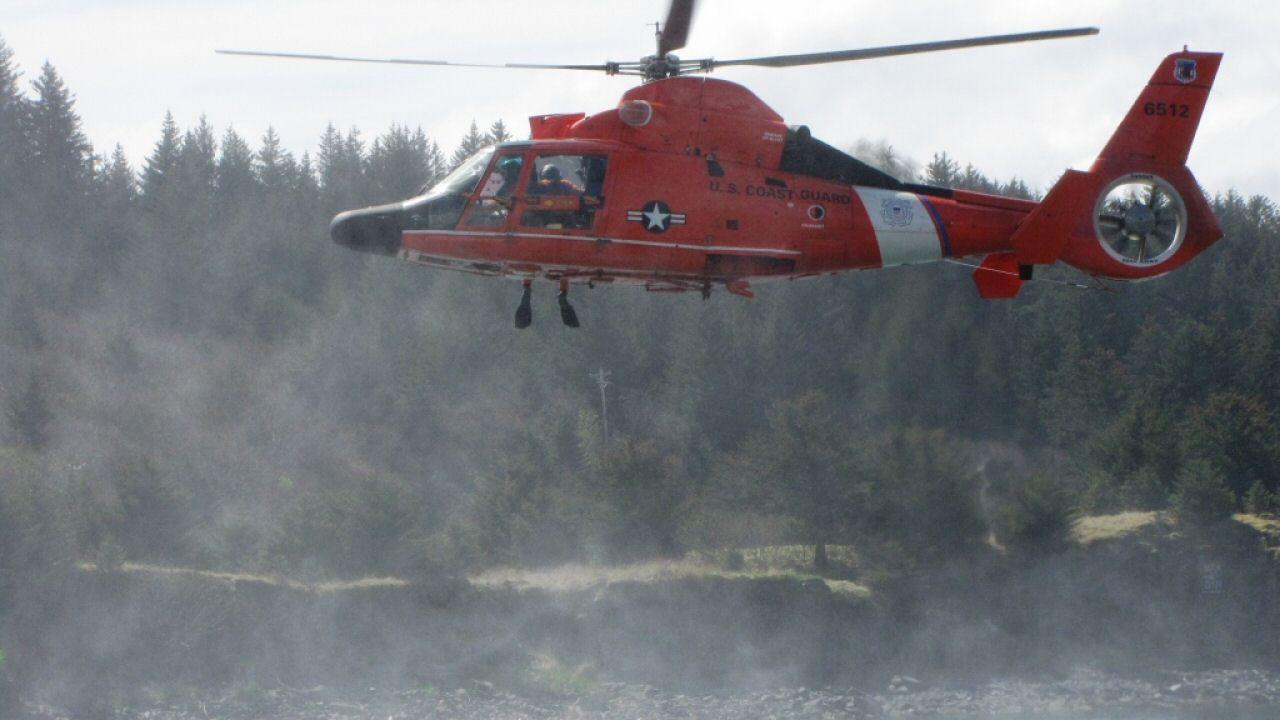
(892, 50)
(675, 33)
(606, 67)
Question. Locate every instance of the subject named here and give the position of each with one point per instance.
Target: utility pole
(601, 377)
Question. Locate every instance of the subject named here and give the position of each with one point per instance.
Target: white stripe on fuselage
(904, 229)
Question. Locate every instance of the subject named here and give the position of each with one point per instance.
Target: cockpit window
(492, 205)
(464, 178)
(440, 208)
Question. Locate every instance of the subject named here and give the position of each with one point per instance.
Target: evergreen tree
(645, 487)
(61, 155)
(153, 519)
(473, 142)
(159, 175)
(115, 196)
(972, 179)
(1238, 436)
(498, 132)
(29, 414)
(942, 171)
(234, 177)
(274, 166)
(1200, 496)
(118, 186)
(400, 163)
(926, 503)
(196, 173)
(803, 466)
(1018, 189)
(353, 168)
(307, 187)
(14, 111)
(1259, 500)
(340, 169)
(329, 157)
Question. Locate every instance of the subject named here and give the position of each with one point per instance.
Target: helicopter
(693, 183)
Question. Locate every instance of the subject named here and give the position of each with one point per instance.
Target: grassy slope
(774, 562)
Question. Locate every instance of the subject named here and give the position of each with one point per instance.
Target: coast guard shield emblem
(1184, 70)
(896, 212)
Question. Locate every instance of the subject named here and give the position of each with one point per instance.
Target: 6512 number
(1167, 109)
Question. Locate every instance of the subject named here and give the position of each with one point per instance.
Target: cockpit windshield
(464, 178)
(440, 208)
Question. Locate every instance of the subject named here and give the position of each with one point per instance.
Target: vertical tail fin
(1163, 121)
(1138, 212)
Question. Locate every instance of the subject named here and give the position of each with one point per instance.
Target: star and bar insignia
(656, 216)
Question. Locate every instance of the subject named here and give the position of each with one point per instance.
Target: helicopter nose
(372, 229)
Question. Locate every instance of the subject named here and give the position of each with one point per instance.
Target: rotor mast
(659, 65)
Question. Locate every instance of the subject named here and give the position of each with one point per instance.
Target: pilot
(552, 183)
(502, 182)
(509, 168)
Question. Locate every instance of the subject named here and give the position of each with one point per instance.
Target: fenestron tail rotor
(674, 34)
(1141, 219)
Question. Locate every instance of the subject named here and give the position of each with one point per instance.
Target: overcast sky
(1024, 110)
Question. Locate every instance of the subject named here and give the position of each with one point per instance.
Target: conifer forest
(194, 377)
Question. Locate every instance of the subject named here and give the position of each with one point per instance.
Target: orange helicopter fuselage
(692, 182)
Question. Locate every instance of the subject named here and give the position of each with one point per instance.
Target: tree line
(193, 374)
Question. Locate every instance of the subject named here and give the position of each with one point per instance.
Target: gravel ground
(1084, 694)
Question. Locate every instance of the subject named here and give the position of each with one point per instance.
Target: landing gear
(524, 312)
(567, 314)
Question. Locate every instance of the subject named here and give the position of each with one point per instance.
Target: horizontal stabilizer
(998, 277)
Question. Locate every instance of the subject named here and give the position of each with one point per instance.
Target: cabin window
(492, 204)
(564, 192)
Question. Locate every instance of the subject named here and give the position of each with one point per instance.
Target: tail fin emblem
(1184, 70)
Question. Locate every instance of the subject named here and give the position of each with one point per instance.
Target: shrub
(363, 528)
(1034, 516)
(1200, 495)
(1259, 499)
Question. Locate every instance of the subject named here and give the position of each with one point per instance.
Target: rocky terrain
(1152, 620)
(1082, 694)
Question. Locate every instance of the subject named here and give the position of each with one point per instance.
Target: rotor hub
(657, 67)
(1140, 219)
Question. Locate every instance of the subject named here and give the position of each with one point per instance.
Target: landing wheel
(524, 312)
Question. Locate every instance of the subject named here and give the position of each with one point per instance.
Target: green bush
(1259, 500)
(1200, 495)
(364, 528)
(1033, 517)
